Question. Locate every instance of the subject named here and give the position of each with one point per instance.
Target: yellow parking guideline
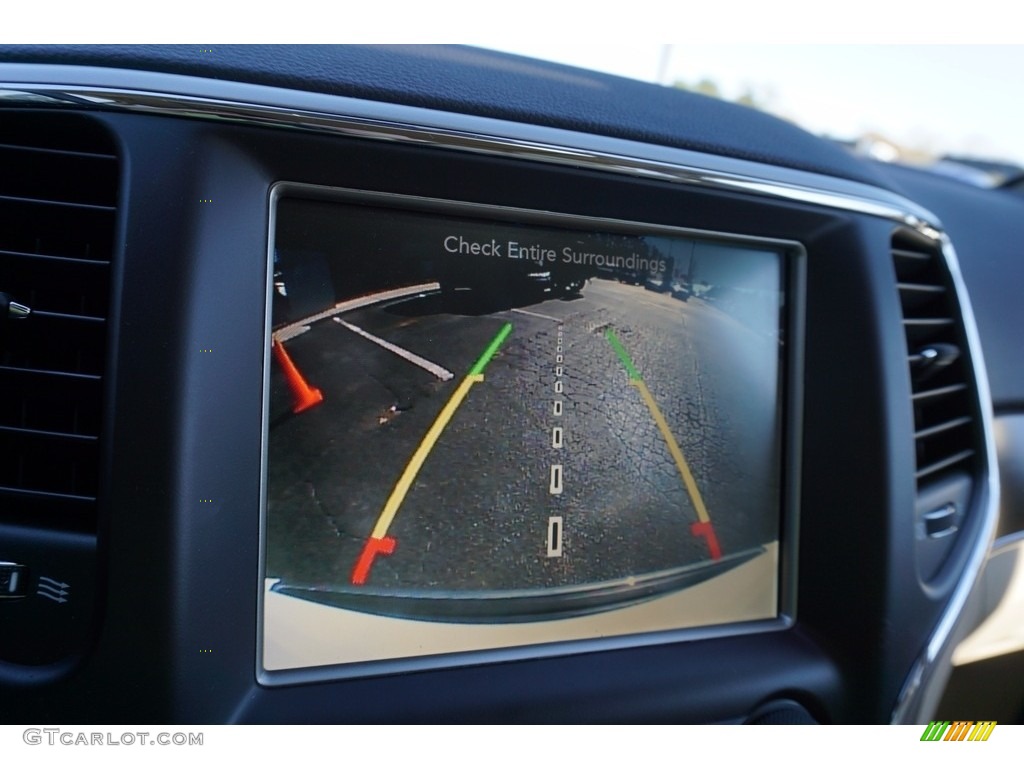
(673, 448)
(475, 376)
(636, 380)
(416, 462)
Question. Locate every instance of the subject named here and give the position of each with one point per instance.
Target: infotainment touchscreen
(492, 429)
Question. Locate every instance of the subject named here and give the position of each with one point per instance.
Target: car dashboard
(433, 384)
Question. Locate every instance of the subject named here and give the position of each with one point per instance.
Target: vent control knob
(934, 358)
(11, 309)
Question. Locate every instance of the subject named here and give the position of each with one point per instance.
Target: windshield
(947, 108)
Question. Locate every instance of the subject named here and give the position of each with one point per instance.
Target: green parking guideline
(620, 350)
(492, 348)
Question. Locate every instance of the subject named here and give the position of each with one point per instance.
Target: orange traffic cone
(305, 396)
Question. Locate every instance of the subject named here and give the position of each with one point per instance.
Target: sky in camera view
(936, 99)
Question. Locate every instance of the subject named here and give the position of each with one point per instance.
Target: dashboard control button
(13, 580)
(941, 522)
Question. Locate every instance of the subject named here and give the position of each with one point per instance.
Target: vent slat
(938, 466)
(67, 260)
(48, 435)
(913, 255)
(59, 177)
(45, 373)
(921, 287)
(69, 318)
(943, 427)
(940, 392)
(59, 152)
(62, 203)
(26, 493)
(74, 231)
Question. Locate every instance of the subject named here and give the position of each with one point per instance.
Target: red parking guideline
(371, 549)
(707, 532)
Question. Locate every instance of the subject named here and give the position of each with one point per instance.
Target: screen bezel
(793, 263)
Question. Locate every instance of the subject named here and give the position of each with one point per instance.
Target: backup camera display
(488, 430)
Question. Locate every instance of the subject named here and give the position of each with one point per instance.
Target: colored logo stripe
(958, 730)
(982, 730)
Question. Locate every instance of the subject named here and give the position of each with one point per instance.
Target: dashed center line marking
(555, 536)
(555, 486)
(442, 373)
(556, 479)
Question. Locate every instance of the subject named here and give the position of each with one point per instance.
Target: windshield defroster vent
(941, 390)
(58, 197)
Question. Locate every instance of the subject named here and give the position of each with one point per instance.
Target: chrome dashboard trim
(412, 125)
(28, 86)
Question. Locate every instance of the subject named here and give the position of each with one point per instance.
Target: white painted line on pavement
(556, 479)
(442, 373)
(537, 314)
(555, 537)
(296, 328)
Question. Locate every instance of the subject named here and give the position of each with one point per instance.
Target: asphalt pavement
(550, 471)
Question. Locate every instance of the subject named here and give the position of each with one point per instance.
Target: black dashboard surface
(172, 633)
(490, 84)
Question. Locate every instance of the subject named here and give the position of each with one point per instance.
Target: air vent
(942, 396)
(58, 197)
